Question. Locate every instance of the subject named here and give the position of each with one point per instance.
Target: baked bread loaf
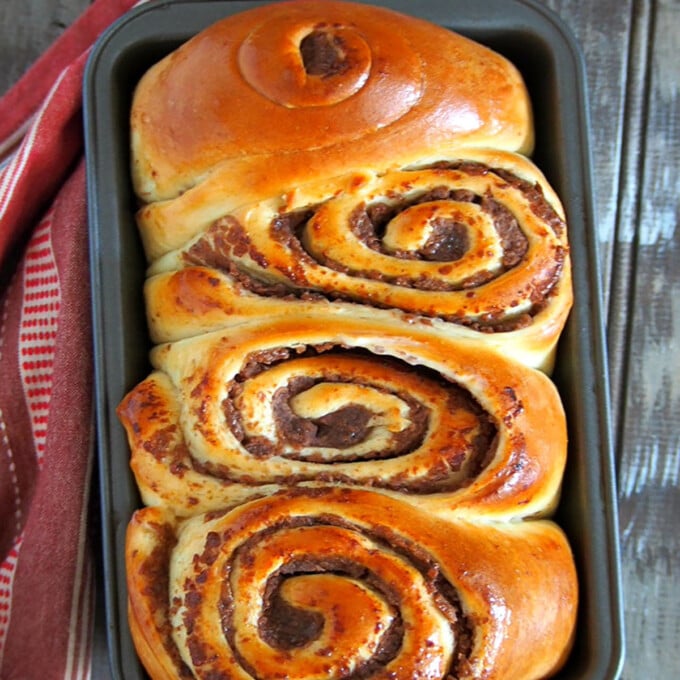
(346, 449)
(309, 400)
(340, 583)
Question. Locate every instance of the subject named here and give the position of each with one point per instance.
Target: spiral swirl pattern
(353, 276)
(479, 246)
(342, 584)
(301, 401)
(324, 64)
(313, 569)
(438, 242)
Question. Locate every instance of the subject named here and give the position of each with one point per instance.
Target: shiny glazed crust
(346, 452)
(402, 594)
(479, 242)
(439, 422)
(239, 114)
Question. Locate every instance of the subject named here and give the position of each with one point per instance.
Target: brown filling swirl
(288, 628)
(449, 240)
(155, 572)
(227, 240)
(324, 53)
(338, 429)
(454, 457)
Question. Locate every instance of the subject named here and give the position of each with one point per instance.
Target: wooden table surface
(632, 52)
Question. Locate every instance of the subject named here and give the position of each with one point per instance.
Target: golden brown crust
(441, 422)
(479, 242)
(149, 541)
(346, 453)
(426, 598)
(218, 123)
(196, 300)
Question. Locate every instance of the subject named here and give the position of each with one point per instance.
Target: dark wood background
(632, 52)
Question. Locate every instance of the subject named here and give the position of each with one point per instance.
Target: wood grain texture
(27, 28)
(631, 52)
(603, 37)
(649, 423)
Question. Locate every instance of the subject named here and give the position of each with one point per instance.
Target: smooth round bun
(284, 94)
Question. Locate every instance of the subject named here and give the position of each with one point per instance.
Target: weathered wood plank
(639, 229)
(650, 424)
(611, 61)
(27, 28)
(623, 248)
(603, 36)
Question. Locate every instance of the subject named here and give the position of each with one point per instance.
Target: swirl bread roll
(340, 583)
(480, 244)
(309, 400)
(293, 93)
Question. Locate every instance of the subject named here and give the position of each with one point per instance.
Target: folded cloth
(46, 433)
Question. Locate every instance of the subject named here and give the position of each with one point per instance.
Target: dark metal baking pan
(536, 41)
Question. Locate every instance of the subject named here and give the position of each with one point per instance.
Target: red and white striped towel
(46, 438)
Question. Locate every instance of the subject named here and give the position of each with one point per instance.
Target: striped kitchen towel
(46, 434)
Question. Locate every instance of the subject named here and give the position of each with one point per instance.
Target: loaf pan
(543, 49)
